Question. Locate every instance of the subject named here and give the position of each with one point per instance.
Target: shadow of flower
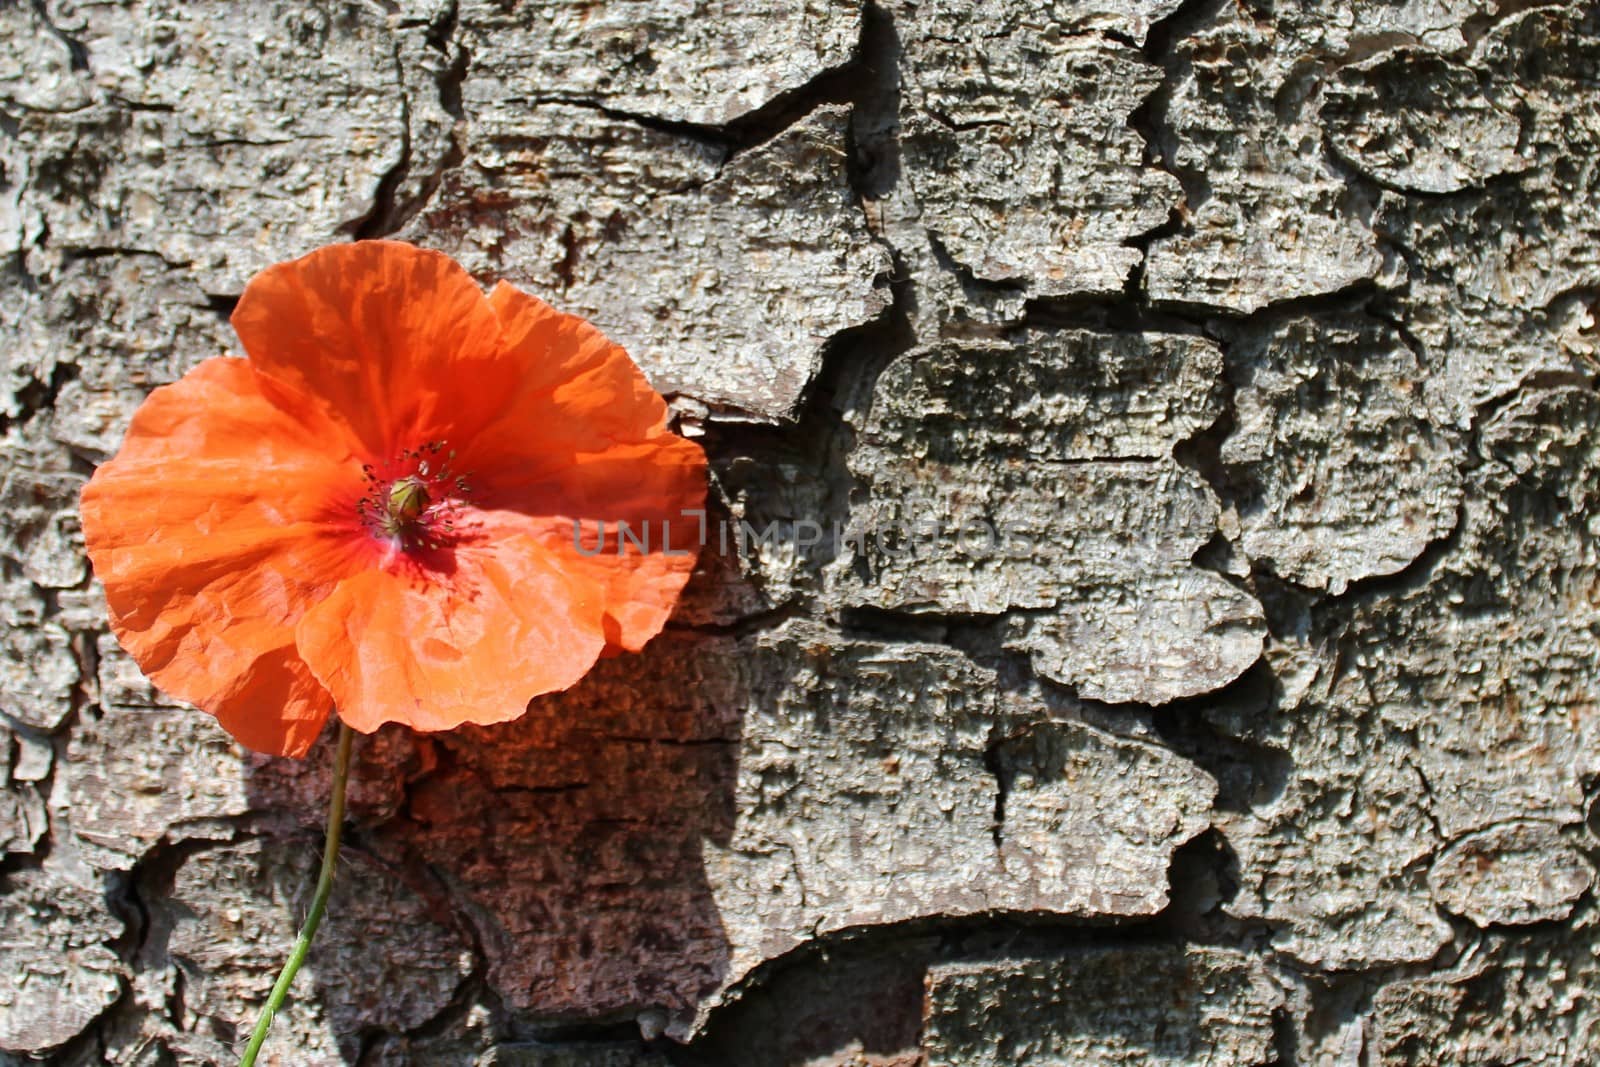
(559, 854)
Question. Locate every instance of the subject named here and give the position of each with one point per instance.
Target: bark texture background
(1266, 331)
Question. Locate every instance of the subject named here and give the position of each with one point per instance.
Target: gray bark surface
(1241, 709)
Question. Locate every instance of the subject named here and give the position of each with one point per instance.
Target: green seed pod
(408, 498)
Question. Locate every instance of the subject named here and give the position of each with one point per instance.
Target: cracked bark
(1262, 337)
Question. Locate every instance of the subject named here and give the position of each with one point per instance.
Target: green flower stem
(319, 902)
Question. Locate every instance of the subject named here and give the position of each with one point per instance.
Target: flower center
(408, 499)
(412, 501)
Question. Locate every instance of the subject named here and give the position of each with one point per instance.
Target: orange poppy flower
(375, 511)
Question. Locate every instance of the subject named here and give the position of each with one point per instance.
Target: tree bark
(1149, 605)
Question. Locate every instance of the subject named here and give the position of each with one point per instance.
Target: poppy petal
(566, 365)
(220, 520)
(398, 342)
(471, 637)
(630, 522)
(584, 441)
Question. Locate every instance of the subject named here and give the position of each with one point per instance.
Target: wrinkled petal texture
(471, 637)
(216, 526)
(242, 578)
(584, 442)
(395, 341)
